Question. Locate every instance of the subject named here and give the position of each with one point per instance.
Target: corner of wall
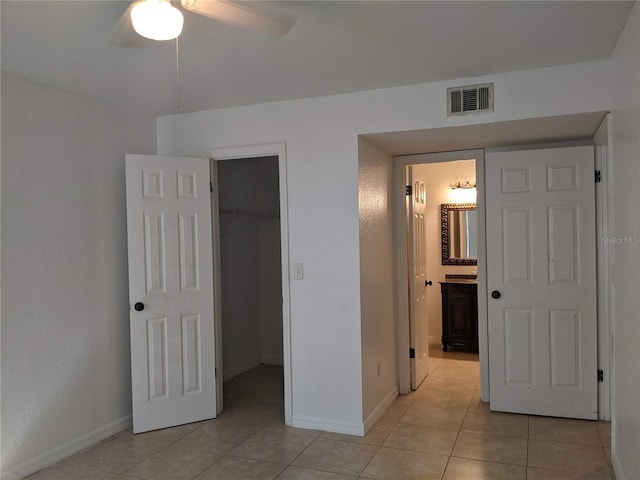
(379, 410)
(328, 425)
(377, 277)
(625, 151)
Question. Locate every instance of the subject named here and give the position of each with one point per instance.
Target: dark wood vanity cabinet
(459, 315)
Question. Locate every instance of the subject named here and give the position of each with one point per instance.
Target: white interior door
(541, 240)
(170, 291)
(419, 337)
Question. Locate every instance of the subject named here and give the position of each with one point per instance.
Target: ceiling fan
(160, 20)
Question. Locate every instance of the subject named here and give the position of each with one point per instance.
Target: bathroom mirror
(459, 224)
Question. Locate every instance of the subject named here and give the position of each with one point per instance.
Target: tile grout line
(124, 472)
(457, 437)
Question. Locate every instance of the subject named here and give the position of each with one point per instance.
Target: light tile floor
(441, 431)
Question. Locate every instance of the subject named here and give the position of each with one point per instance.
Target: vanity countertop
(460, 278)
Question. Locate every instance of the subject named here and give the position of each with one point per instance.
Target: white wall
(439, 177)
(626, 299)
(377, 279)
(65, 322)
(322, 168)
(250, 256)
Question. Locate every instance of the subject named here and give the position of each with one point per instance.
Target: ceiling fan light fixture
(157, 19)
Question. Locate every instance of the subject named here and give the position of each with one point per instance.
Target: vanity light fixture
(466, 184)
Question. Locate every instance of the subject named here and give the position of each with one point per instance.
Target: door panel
(541, 240)
(419, 336)
(171, 277)
(516, 251)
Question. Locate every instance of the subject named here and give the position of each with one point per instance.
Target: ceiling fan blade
(124, 35)
(241, 15)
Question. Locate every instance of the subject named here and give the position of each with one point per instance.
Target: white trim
(617, 467)
(402, 294)
(271, 361)
(483, 312)
(585, 142)
(380, 409)
(240, 369)
(402, 273)
(279, 150)
(328, 425)
(67, 449)
(603, 227)
(246, 151)
(217, 293)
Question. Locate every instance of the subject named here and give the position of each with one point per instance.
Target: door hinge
(408, 190)
(412, 353)
(211, 187)
(215, 372)
(598, 176)
(600, 375)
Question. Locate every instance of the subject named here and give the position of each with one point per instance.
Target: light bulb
(463, 195)
(157, 20)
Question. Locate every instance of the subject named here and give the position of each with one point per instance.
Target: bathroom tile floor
(441, 432)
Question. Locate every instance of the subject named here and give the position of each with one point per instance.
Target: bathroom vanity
(459, 312)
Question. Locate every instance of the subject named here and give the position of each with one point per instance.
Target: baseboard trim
(617, 468)
(228, 374)
(435, 340)
(377, 412)
(327, 425)
(66, 449)
(272, 361)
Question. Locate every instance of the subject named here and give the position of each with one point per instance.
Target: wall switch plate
(298, 271)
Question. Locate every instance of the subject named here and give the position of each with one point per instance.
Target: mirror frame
(444, 225)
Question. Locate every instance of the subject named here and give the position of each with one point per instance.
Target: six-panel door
(541, 238)
(419, 336)
(170, 291)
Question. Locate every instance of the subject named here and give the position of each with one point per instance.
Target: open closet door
(173, 372)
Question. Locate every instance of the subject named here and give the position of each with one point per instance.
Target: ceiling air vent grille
(470, 99)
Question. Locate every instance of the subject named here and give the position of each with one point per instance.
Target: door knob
(495, 294)
(428, 283)
(138, 307)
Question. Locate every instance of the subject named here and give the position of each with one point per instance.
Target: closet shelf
(249, 213)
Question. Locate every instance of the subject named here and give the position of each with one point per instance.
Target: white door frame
(605, 266)
(402, 293)
(252, 151)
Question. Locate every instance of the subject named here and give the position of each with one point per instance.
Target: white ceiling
(335, 47)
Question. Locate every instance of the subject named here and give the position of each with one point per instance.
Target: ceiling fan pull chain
(178, 73)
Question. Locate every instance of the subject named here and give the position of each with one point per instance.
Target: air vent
(470, 99)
